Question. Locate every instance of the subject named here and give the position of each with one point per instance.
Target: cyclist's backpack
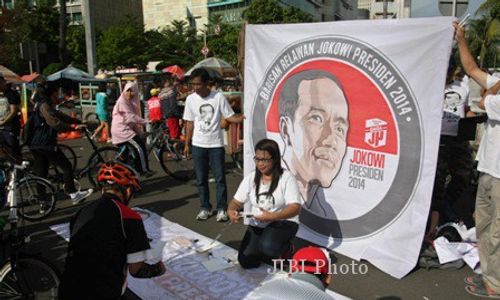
(43, 136)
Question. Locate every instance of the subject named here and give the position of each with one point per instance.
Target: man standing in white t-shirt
(488, 194)
(202, 113)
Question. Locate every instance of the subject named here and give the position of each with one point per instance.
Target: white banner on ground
(356, 109)
(186, 276)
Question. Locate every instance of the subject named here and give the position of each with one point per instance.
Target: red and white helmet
(117, 173)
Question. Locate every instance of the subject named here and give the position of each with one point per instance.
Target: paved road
(177, 201)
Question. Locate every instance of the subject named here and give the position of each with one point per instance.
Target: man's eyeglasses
(262, 160)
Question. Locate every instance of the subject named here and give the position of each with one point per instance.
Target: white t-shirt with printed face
(287, 192)
(206, 114)
(455, 98)
(488, 154)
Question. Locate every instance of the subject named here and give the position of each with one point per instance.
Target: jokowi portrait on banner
(313, 123)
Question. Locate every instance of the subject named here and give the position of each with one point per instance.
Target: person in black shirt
(9, 119)
(107, 239)
(48, 121)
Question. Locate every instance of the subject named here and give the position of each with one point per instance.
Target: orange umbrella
(176, 70)
(31, 77)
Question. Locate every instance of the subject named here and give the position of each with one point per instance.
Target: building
(435, 8)
(389, 9)
(365, 4)
(342, 10)
(9, 4)
(100, 14)
(158, 14)
(105, 13)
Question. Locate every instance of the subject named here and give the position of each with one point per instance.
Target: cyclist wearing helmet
(107, 239)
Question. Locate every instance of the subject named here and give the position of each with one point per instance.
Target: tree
(179, 44)
(263, 12)
(224, 44)
(75, 44)
(24, 24)
(52, 68)
(492, 6)
(291, 14)
(123, 44)
(484, 36)
(271, 12)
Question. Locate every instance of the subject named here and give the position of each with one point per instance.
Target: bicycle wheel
(32, 278)
(174, 163)
(36, 198)
(92, 120)
(102, 155)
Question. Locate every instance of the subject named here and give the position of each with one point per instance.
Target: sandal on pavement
(475, 279)
(480, 291)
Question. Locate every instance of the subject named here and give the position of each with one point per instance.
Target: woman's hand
(266, 216)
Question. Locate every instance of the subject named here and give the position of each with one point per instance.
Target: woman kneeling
(274, 200)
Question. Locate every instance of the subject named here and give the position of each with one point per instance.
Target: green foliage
(492, 7)
(52, 68)
(122, 45)
(23, 24)
(75, 44)
(263, 12)
(225, 44)
(271, 12)
(291, 14)
(179, 45)
(484, 34)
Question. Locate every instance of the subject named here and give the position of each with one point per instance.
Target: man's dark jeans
(215, 158)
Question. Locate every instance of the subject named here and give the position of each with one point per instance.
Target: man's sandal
(480, 291)
(475, 279)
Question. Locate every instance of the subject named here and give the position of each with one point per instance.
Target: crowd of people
(269, 198)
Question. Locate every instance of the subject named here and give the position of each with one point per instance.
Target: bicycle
(167, 151)
(23, 276)
(37, 194)
(96, 159)
(67, 150)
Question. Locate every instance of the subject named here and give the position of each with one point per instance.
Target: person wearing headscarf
(127, 126)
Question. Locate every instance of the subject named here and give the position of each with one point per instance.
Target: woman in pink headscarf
(127, 125)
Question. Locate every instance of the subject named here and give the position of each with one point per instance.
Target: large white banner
(356, 109)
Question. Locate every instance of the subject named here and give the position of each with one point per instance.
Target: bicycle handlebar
(9, 165)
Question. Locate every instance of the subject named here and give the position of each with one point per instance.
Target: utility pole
(89, 36)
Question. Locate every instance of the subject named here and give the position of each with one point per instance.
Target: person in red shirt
(154, 107)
